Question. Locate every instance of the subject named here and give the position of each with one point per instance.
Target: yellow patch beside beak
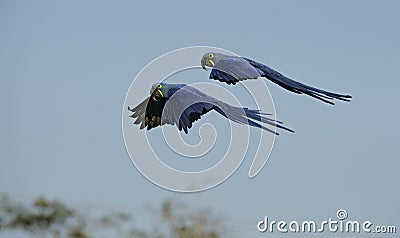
(211, 62)
(159, 91)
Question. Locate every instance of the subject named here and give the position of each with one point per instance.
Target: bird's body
(232, 69)
(181, 105)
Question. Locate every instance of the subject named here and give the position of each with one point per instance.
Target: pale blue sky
(65, 68)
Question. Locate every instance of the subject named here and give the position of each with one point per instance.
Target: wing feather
(233, 69)
(186, 106)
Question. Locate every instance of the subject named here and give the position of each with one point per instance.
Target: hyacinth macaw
(232, 69)
(181, 105)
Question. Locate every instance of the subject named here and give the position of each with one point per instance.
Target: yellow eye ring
(210, 56)
(159, 86)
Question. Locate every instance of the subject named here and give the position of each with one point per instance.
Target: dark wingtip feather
(288, 129)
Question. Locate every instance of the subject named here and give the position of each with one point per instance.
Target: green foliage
(197, 224)
(51, 218)
(42, 218)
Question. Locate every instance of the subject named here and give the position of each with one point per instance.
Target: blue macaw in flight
(232, 69)
(181, 105)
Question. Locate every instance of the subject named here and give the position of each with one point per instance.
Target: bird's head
(211, 59)
(158, 90)
(164, 90)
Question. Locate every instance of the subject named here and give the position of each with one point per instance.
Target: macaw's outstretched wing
(233, 69)
(295, 86)
(148, 113)
(188, 104)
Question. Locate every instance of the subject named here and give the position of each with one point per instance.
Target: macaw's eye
(159, 86)
(210, 56)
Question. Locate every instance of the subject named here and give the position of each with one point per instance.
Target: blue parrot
(181, 105)
(232, 69)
